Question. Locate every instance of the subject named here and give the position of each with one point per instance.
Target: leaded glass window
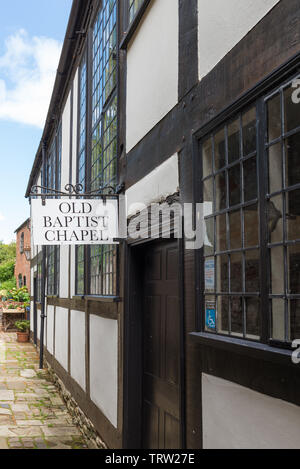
(134, 6)
(251, 195)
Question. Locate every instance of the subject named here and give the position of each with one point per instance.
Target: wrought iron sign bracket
(76, 190)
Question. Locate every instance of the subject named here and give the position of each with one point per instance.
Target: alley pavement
(32, 414)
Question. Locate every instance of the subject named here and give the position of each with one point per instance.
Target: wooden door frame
(133, 366)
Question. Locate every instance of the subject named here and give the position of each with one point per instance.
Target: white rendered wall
(235, 417)
(222, 24)
(104, 366)
(66, 123)
(64, 272)
(50, 327)
(152, 70)
(61, 336)
(78, 347)
(156, 186)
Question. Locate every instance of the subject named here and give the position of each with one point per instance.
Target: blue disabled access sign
(210, 316)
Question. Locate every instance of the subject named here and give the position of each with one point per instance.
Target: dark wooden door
(161, 346)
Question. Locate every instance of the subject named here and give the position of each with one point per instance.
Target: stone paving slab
(32, 414)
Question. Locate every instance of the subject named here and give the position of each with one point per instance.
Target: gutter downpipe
(43, 280)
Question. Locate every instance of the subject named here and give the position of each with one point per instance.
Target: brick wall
(22, 265)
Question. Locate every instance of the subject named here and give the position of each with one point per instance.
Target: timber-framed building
(162, 346)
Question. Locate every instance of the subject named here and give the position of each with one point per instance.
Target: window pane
(237, 316)
(222, 274)
(251, 226)
(235, 230)
(293, 217)
(252, 272)
(278, 320)
(294, 269)
(275, 168)
(294, 309)
(236, 272)
(253, 323)
(207, 158)
(274, 118)
(134, 5)
(234, 185)
(291, 111)
(223, 314)
(220, 150)
(249, 132)
(221, 235)
(293, 206)
(208, 192)
(233, 141)
(209, 237)
(221, 203)
(250, 180)
(277, 271)
(292, 146)
(275, 220)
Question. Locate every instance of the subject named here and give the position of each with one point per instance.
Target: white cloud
(27, 73)
(2, 218)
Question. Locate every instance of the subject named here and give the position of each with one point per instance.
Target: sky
(31, 37)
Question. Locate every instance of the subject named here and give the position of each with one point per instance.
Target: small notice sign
(210, 316)
(74, 222)
(210, 275)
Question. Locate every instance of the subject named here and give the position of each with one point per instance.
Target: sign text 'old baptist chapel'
(74, 222)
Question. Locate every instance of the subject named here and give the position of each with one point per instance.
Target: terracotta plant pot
(23, 337)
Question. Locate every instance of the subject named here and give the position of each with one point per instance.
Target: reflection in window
(22, 243)
(134, 5)
(53, 267)
(231, 238)
(284, 213)
(103, 259)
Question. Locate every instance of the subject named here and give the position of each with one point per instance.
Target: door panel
(161, 350)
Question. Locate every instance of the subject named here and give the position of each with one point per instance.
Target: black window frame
(91, 184)
(257, 97)
(22, 242)
(53, 181)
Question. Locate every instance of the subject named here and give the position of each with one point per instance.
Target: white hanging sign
(74, 222)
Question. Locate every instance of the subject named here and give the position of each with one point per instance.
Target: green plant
(23, 326)
(7, 252)
(12, 306)
(8, 285)
(21, 295)
(3, 293)
(7, 270)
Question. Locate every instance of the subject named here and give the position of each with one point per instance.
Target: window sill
(100, 299)
(244, 347)
(133, 25)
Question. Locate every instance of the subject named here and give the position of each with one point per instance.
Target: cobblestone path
(32, 415)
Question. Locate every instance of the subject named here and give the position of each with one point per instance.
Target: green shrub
(7, 270)
(21, 295)
(23, 326)
(8, 285)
